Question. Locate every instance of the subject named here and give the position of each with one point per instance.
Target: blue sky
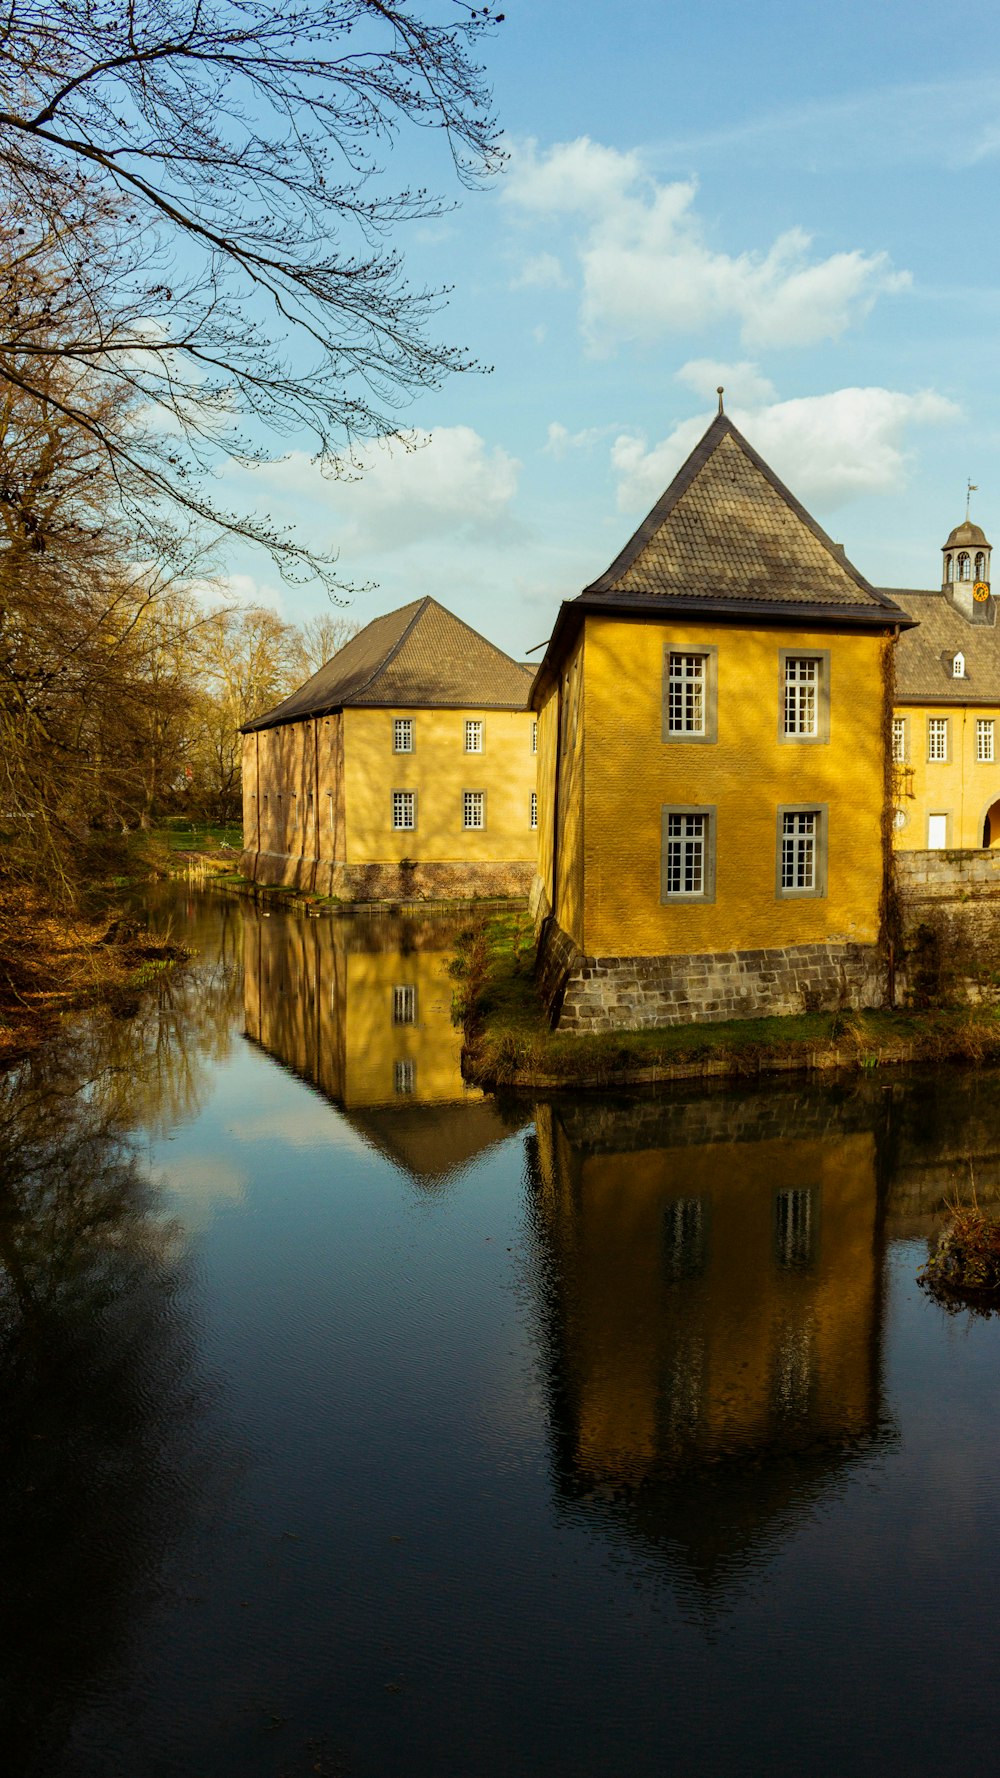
(797, 201)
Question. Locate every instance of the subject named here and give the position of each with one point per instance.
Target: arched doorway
(991, 826)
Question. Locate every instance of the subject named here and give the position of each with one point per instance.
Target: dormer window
(964, 566)
(958, 667)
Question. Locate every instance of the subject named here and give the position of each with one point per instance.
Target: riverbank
(508, 1042)
(54, 960)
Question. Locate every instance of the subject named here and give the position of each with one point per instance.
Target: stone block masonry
(639, 993)
(402, 881)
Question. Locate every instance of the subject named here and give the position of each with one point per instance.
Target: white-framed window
(404, 1005)
(802, 850)
(405, 1077)
(534, 808)
(985, 741)
(473, 737)
(687, 694)
(899, 740)
(534, 737)
(950, 574)
(402, 734)
(958, 667)
(687, 852)
(687, 847)
(964, 567)
(980, 566)
(404, 810)
(802, 679)
(473, 808)
(937, 738)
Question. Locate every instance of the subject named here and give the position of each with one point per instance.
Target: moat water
(355, 1424)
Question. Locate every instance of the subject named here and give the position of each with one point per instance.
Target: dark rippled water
(353, 1424)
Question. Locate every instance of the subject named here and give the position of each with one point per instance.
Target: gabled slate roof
(729, 542)
(728, 531)
(418, 656)
(924, 655)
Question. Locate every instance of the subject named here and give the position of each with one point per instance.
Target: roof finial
(973, 488)
(720, 392)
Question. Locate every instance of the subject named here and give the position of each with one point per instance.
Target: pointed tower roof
(728, 541)
(728, 531)
(420, 655)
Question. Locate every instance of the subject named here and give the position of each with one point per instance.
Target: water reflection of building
(713, 1312)
(361, 1006)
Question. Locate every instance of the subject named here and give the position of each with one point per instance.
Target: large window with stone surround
(690, 700)
(473, 808)
(473, 737)
(985, 740)
(801, 850)
(804, 689)
(937, 739)
(687, 867)
(402, 734)
(404, 810)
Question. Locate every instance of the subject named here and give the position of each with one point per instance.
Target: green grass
(508, 1039)
(183, 835)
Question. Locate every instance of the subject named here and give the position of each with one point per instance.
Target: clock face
(981, 591)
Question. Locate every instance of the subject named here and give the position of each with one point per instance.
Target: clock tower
(966, 572)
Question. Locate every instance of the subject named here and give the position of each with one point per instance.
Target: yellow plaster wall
(958, 787)
(722, 1338)
(569, 739)
(547, 718)
(439, 770)
(746, 774)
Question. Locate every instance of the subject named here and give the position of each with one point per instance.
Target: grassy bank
(508, 1042)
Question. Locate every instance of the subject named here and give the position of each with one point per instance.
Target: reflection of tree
(151, 1065)
(96, 1365)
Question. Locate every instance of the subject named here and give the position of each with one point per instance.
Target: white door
(937, 832)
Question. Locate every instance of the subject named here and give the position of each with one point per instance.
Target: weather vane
(972, 488)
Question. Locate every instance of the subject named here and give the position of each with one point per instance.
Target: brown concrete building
(403, 769)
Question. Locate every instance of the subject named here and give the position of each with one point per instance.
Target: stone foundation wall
(947, 876)
(634, 993)
(388, 882)
(950, 914)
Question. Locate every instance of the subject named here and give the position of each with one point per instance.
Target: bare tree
(222, 163)
(323, 636)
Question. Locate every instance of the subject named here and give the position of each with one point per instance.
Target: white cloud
(648, 270)
(573, 176)
(829, 448)
(560, 439)
(542, 272)
(741, 382)
(447, 483)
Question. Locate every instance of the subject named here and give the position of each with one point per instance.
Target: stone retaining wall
(388, 882)
(946, 876)
(636, 993)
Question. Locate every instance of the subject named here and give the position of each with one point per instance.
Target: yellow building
(405, 768)
(946, 727)
(713, 764)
